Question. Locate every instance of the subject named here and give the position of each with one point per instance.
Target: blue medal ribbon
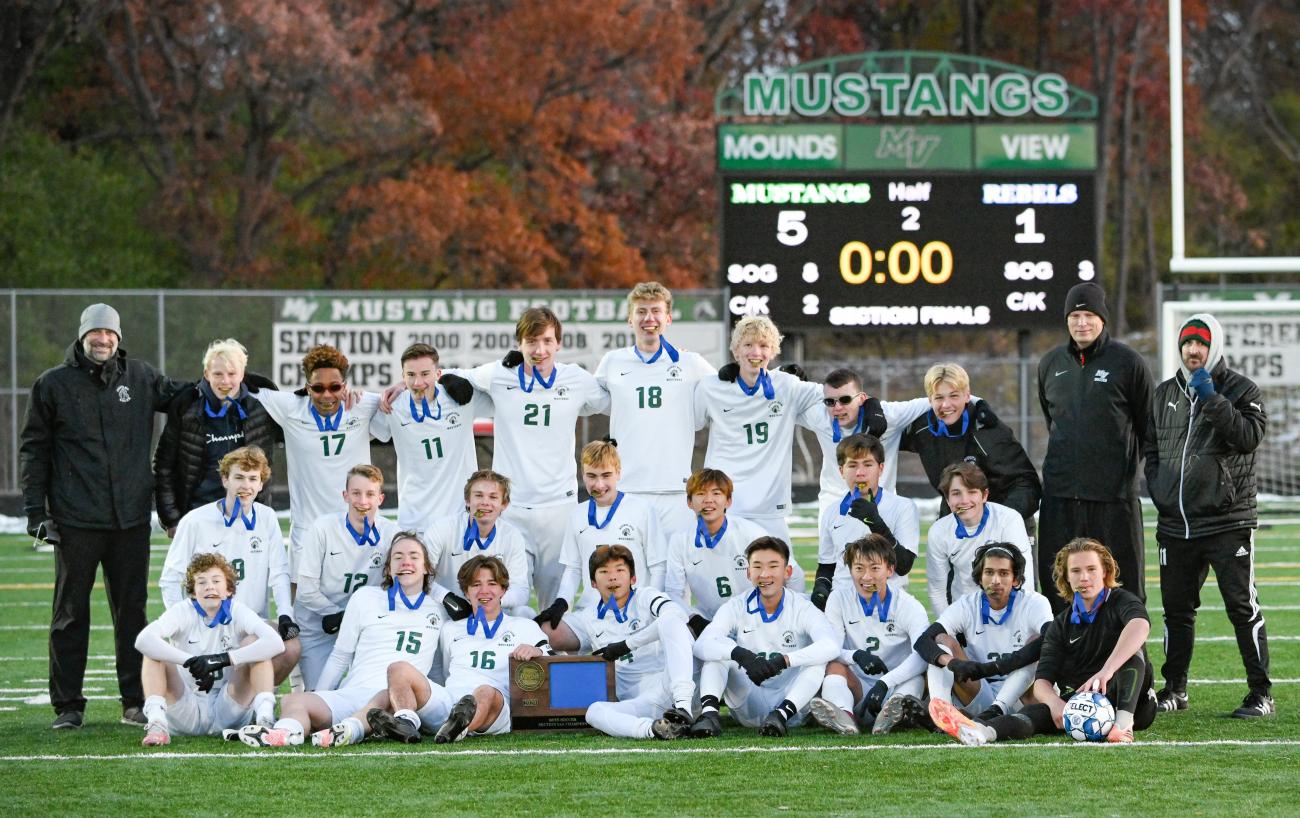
(473, 538)
(395, 590)
(329, 424)
(221, 617)
(940, 429)
(1079, 613)
(226, 403)
(837, 433)
(479, 619)
(369, 534)
(536, 379)
(986, 612)
(421, 417)
(620, 616)
(673, 354)
(237, 514)
(613, 508)
(754, 605)
(963, 534)
(876, 605)
(763, 381)
(702, 533)
(847, 502)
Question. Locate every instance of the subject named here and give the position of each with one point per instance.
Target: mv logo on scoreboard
(908, 144)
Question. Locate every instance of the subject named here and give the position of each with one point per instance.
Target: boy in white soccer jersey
(478, 530)
(877, 675)
(953, 539)
(708, 559)
(867, 507)
(322, 440)
(432, 431)
(204, 634)
(609, 517)
(537, 402)
(984, 648)
(383, 654)
(476, 656)
(645, 633)
(767, 650)
(247, 534)
(344, 551)
(651, 386)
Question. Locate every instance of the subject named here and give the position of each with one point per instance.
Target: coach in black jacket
(1200, 468)
(204, 424)
(1096, 397)
(84, 459)
(970, 431)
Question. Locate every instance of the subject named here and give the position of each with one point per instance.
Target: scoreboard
(904, 249)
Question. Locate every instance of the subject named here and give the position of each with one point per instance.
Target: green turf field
(1194, 763)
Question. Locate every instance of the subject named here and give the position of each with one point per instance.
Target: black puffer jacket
(84, 455)
(1013, 481)
(1200, 464)
(179, 458)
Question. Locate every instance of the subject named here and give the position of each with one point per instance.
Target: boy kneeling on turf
(204, 634)
(766, 652)
(1096, 644)
(877, 674)
(643, 631)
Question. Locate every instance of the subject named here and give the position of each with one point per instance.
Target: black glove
(287, 627)
(875, 414)
(869, 662)
(760, 669)
(460, 390)
(44, 530)
(256, 382)
(964, 670)
(876, 698)
(613, 651)
(821, 591)
(729, 372)
(742, 656)
(207, 669)
(457, 607)
(330, 622)
(796, 370)
(697, 624)
(513, 359)
(984, 417)
(553, 614)
(864, 509)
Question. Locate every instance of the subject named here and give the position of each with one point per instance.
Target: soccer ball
(1088, 716)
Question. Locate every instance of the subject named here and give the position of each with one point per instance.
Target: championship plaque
(553, 692)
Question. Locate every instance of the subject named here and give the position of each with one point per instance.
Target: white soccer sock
(409, 716)
(805, 685)
(713, 679)
(606, 717)
(355, 729)
(155, 709)
(1123, 720)
(291, 726)
(264, 706)
(835, 689)
(940, 681)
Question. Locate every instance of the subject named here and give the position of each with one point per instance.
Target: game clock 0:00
(996, 251)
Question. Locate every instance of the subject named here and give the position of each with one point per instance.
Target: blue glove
(1202, 384)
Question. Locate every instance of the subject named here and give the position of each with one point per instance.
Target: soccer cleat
(831, 717)
(68, 720)
(156, 735)
(1168, 700)
(960, 726)
(1118, 736)
(453, 729)
(897, 712)
(338, 735)
(774, 725)
(134, 715)
(255, 735)
(666, 729)
(708, 725)
(385, 724)
(1254, 706)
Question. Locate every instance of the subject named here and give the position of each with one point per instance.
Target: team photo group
(1031, 619)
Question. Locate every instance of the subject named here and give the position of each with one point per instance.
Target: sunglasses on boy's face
(842, 400)
(322, 388)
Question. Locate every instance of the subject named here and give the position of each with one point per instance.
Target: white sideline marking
(299, 755)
